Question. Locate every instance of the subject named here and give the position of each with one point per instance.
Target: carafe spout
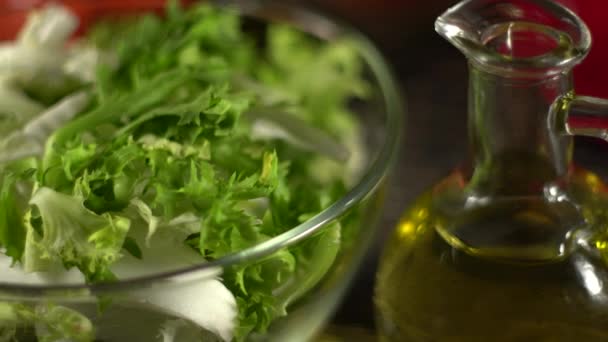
(517, 38)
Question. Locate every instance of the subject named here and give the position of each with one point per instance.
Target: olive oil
(505, 271)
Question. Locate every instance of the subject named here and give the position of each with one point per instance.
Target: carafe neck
(515, 151)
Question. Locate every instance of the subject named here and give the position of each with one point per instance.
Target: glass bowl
(123, 311)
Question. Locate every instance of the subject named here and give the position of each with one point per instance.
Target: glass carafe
(514, 245)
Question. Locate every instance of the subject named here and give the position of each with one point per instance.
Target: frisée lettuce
(183, 134)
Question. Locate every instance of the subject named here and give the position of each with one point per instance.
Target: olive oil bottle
(510, 271)
(514, 245)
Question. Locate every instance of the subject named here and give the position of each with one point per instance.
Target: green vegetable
(52, 322)
(74, 235)
(12, 231)
(170, 144)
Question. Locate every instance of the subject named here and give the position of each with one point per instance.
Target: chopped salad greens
(159, 142)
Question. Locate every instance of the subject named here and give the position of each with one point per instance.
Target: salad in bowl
(197, 173)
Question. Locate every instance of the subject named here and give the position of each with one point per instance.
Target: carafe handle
(580, 116)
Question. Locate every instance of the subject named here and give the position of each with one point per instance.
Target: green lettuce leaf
(52, 323)
(73, 235)
(12, 230)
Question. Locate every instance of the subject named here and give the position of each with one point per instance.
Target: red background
(591, 77)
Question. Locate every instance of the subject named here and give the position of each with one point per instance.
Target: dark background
(433, 79)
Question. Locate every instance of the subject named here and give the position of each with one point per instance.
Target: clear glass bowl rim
(320, 25)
